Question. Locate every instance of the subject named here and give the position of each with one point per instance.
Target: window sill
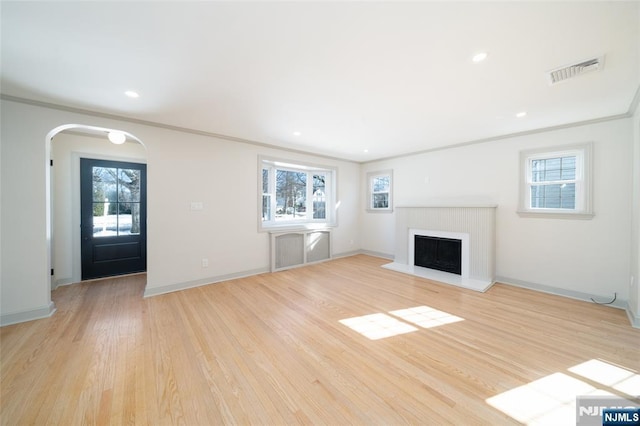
(555, 214)
(298, 227)
(379, 210)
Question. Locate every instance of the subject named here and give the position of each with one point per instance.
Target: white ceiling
(389, 77)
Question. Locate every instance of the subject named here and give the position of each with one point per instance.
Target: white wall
(634, 284)
(589, 257)
(181, 168)
(66, 151)
(575, 257)
(224, 177)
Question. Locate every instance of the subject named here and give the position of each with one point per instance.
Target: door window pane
(116, 206)
(128, 218)
(105, 220)
(128, 185)
(104, 184)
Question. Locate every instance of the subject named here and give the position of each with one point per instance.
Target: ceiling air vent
(574, 70)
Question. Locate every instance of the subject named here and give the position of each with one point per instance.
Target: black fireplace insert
(443, 254)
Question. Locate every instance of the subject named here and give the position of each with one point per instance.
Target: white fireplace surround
(462, 236)
(473, 225)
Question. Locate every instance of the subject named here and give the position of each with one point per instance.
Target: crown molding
(506, 136)
(630, 112)
(633, 106)
(109, 116)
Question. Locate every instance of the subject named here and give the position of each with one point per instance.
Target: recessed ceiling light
(479, 57)
(132, 94)
(366, 150)
(521, 114)
(296, 133)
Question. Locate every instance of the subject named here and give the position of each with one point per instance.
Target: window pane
(568, 174)
(104, 184)
(537, 165)
(553, 169)
(568, 168)
(265, 181)
(128, 218)
(381, 184)
(552, 196)
(291, 189)
(294, 194)
(381, 200)
(266, 207)
(319, 210)
(568, 196)
(557, 181)
(105, 220)
(552, 163)
(569, 162)
(128, 185)
(537, 176)
(555, 196)
(319, 197)
(568, 203)
(552, 174)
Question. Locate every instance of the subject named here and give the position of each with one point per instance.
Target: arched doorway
(69, 144)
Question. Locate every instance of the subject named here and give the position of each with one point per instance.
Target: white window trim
(370, 177)
(331, 218)
(583, 181)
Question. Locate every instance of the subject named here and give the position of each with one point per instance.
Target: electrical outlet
(205, 263)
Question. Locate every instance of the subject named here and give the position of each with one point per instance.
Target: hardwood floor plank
(277, 349)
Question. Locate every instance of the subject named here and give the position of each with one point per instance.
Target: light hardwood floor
(271, 349)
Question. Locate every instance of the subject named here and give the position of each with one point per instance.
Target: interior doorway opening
(66, 146)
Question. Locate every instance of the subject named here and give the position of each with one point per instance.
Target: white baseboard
(61, 282)
(29, 315)
(377, 254)
(345, 254)
(619, 303)
(156, 291)
(633, 318)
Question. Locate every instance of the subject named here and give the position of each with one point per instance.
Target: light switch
(196, 205)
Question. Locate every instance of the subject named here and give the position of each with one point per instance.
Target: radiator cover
(296, 248)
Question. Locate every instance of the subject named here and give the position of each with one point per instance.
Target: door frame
(142, 237)
(75, 194)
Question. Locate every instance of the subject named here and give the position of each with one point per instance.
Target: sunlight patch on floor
(378, 326)
(426, 317)
(551, 400)
(607, 374)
